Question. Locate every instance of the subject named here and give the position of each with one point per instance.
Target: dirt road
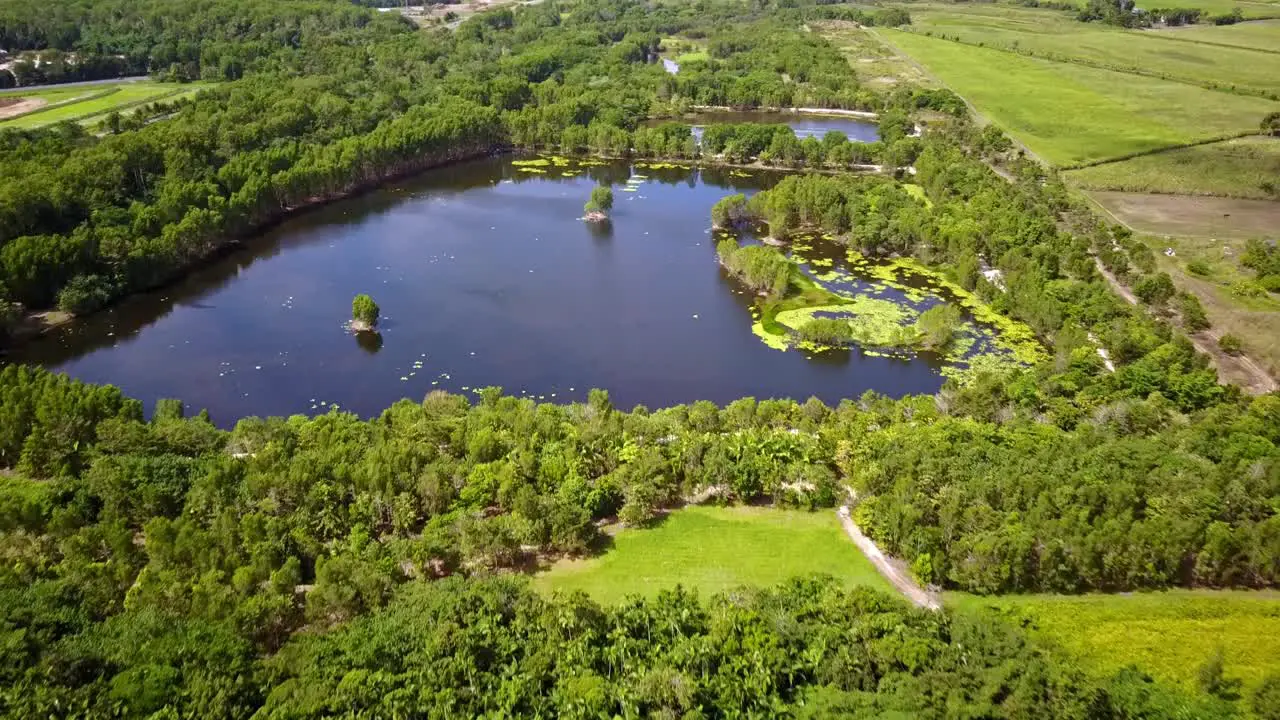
(890, 568)
(1238, 368)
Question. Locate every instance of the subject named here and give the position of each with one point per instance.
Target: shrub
(1199, 267)
(1230, 344)
(364, 310)
(85, 294)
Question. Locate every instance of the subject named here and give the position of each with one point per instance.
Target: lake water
(804, 124)
(486, 276)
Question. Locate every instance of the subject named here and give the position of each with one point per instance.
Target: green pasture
(1070, 114)
(1058, 36)
(713, 549)
(1261, 35)
(1167, 634)
(1244, 167)
(93, 101)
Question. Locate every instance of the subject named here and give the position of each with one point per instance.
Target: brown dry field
(13, 107)
(1192, 215)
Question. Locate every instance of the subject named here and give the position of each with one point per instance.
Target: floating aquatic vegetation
(534, 163)
(533, 170)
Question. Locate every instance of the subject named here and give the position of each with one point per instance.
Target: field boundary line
(1167, 148)
(1170, 37)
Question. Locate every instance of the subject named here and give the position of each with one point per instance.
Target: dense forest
(157, 565)
(151, 535)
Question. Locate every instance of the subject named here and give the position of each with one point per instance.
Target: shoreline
(37, 323)
(830, 112)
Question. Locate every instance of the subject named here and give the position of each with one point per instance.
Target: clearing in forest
(1071, 114)
(1168, 634)
(84, 103)
(1246, 167)
(712, 549)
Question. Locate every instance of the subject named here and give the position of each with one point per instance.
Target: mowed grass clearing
(1166, 634)
(1245, 167)
(712, 549)
(95, 101)
(1055, 35)
(1070, 114)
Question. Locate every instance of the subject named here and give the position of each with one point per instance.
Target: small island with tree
(598, 206)
(364, 314)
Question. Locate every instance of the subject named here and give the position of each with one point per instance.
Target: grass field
(713, 549)
(1058, 36)
(1235, 168)
(1263, 35)
(1167, 634)
(1071, 114)
(94, 101)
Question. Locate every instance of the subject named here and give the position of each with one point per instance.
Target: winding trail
(890, 568)
(1259, 382)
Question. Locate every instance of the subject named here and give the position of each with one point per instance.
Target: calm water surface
(485, 276)
(805, 125)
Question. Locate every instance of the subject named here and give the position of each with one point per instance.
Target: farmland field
(1071, 114)
(1262, 35)
(1191, 216)
(714, 549)
(88, 102)
(1167, 634)
(1058, 36)
(1245, 167)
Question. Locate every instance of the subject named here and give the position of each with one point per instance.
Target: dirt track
(1247, 373)
(891, 569)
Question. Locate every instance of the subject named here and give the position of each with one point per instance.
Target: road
(891, 570)
(1256, 380)
(83, 83)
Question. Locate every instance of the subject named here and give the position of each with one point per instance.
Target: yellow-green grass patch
(1072, 114)
(1167, 634)
(712, 549)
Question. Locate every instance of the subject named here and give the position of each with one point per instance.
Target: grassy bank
(714, 549)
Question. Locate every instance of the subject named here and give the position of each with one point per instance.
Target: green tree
(601, 200)
(1230, 344)
(1155, 289)
(364, 312)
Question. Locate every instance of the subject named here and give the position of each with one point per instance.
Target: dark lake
(804, 124)
(486, 276)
